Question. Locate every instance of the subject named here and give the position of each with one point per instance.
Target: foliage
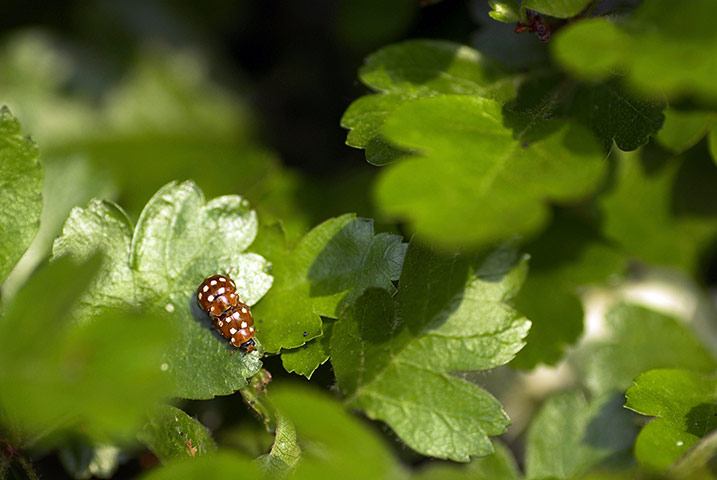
(519, 293)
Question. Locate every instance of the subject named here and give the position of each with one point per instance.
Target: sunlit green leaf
(20, 192)
(473, 183)
(557, 8)
(416, 68)
(646, 48)
(179, 240)
(307, 358)
(507, 11)
(393, 361)
(329, 267)
(686, 406)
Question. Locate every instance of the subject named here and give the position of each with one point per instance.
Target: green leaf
(306, 359)
(170, 433)
(68, 182)
(222, 465)
(328, 268)
(179, 240)
(650, 199)
(98, 376)
(474, 184)
(285, 453)
(686, 406)
(639, 340)
(416, 68)
(645, 48)
(20, 192)
(683, 129)
(507, 11)
(570, 436)
(569, 255)
(557, 8)
(393, 361)
(499, 465)
(335, 443)
(85, 461)
(713, 143)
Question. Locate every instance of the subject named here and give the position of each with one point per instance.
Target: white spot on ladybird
(199, 296)
(205, 289)
(251, 329)
(213, 282)
(232, 330)
(243, 310)
(244, 325)
(169, 307)
(232, 340)
(222, 279)
(164, 367)
(220, 323)
(221, 291)
(210, 298)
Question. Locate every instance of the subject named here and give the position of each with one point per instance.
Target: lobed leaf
(20, 192)
(645, 47)
(328, 268)
(394, 361)
(411, 69)
(570, 436)
(170, 433)
(685, 404)
(474, 184)
(639, 339)
(179, 240)
(307, 358)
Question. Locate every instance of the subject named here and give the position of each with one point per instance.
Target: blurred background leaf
(20, 192)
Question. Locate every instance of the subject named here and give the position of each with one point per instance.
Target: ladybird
(230, 316)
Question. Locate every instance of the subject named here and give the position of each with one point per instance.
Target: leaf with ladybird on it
(327, 269)
(179, 240)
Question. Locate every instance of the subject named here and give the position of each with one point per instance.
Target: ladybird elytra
(230, 316)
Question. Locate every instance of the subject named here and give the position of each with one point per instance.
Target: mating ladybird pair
(230, 316)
